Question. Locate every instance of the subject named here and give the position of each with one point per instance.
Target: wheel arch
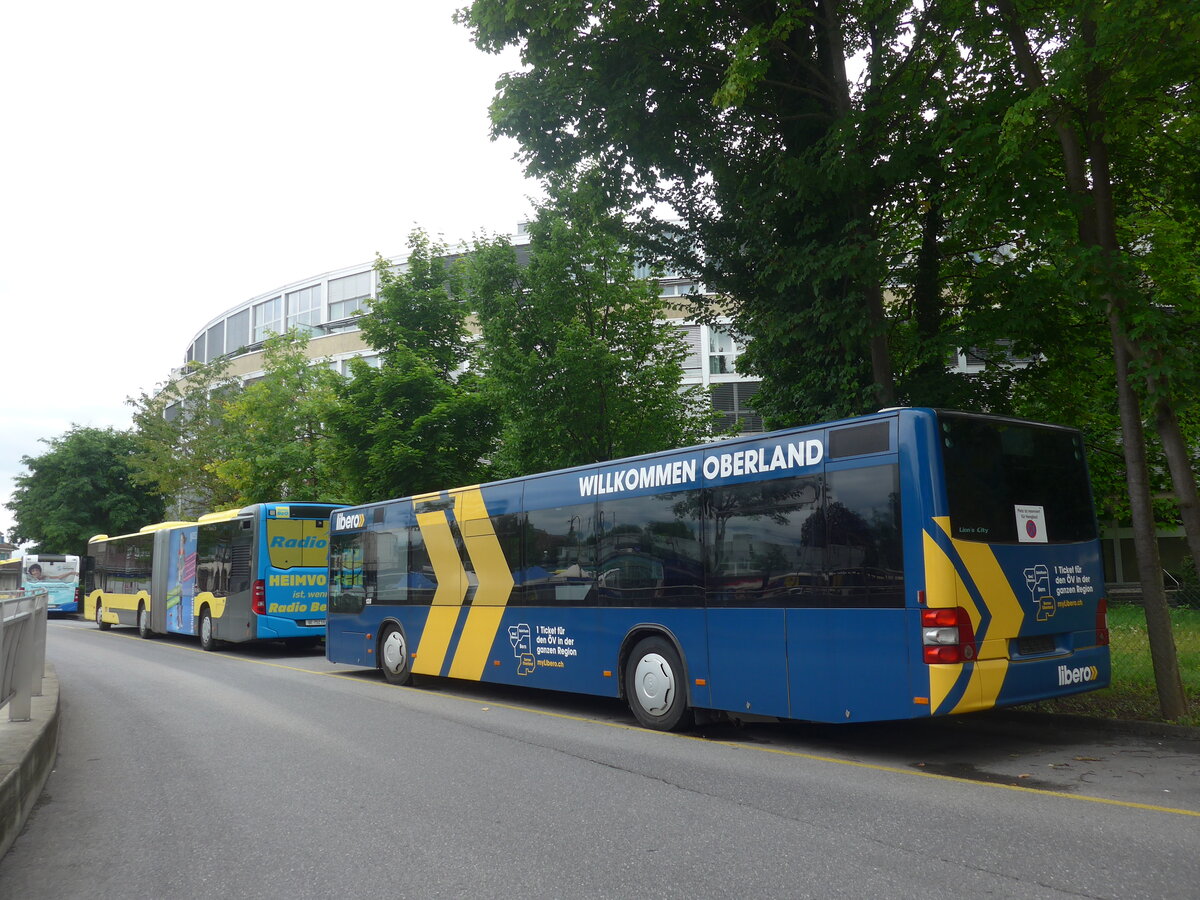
(381, 629)
(651, 629)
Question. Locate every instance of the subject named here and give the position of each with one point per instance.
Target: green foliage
(82, 486)
(578, 361)
(275, 428)
(181, 437)
(769, 187)
(411, 425)
(419, 309)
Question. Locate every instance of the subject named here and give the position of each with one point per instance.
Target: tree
(415, 423)
(82, 486)
(275, 429)
(181, 436)
(576, 354)
(740, 120)
(1095, 87)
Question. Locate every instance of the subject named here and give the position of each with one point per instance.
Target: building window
(374, 360)
(237, 331)
(723, 350)
(198, 350)
(268, 318)
(691, 362)
(348, 296)
(216, 341)
(304, 309)
(732, 401)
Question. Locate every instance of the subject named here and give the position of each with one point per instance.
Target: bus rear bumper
(277, 627)
(990, 683)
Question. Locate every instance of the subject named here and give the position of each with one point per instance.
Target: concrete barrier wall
(27, 753)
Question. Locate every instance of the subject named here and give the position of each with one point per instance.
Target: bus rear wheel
(655, 686)
(207, 640)
(144, 622)
(393, 656)
(104, 626)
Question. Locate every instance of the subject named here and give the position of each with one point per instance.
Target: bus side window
(864, 554)
(558, 565)
(649, 551)
(765, 543)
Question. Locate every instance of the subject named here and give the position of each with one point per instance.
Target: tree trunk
(831, 58)
(1183, 478)
(1163, 656)
(1145, 538)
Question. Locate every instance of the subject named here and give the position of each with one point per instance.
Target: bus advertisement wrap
(906, 564)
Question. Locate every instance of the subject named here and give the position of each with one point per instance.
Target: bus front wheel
(207, 640)
(655, 687)
(104, 626)
(393, 656)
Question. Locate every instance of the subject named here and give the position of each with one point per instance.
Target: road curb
(27, 754)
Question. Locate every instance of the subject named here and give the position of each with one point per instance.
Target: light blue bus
(911, 563)
(55, 573)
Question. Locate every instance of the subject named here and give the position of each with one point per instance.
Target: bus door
(754, 560)
(848, 636)
(294, 573)
(173, 583)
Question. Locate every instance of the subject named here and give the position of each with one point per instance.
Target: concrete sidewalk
(27, 752)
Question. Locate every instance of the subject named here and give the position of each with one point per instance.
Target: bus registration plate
(313, 623)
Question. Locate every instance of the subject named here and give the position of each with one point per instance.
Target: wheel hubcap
(654, 684)
(393, 652)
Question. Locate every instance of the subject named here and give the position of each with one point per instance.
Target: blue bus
(905, 564)
(255, 573)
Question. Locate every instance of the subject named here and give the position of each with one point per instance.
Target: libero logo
(348, 521)
(1078, 675)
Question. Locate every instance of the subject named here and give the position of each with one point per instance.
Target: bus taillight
(258, 598)
(947, 635)
(1102, 622)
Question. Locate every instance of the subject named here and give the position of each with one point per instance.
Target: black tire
(392, 656)
(656, 686)
(207, 640)
(143, 623)
(104, 626)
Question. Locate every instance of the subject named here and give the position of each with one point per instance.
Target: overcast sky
(161, 163)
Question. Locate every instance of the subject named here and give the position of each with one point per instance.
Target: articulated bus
(257, 573)
(900, 565)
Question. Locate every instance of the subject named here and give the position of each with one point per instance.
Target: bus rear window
(1000, 474)
(302, 543)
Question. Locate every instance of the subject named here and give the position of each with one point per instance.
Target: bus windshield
(1015, 482)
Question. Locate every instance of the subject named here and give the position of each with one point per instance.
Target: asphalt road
(257, 772)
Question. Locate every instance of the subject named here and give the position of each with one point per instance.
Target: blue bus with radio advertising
(251, 574)
(906, 564)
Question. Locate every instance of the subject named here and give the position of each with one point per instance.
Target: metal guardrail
(22, 651)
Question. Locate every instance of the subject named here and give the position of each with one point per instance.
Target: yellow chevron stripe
(941, 591)
(1007, 616)
(494, 589)
(447, 599)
